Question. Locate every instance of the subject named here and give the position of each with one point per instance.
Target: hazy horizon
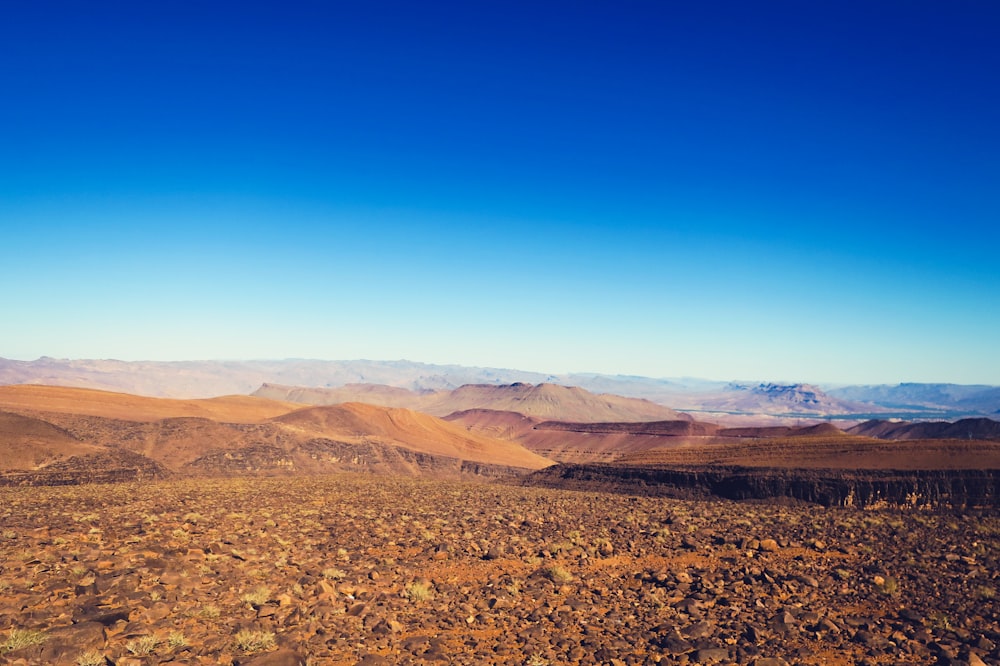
(786, 192)
(749, 381)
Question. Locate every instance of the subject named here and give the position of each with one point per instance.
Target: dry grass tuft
(251, 641)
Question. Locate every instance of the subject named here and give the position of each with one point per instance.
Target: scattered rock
(159, 563)
(711, 655)
(768, 545)
(283, 657)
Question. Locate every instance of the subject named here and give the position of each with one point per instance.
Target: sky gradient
(779, 190)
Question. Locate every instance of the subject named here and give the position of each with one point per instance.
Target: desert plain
(251, 530)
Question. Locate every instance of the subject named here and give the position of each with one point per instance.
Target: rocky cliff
(861, 488)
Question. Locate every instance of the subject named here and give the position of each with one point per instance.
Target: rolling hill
(233, 409)
(545, 401)
(574, 442)
(982, 428)
(412, 430)
(28, 442)
(58, 434)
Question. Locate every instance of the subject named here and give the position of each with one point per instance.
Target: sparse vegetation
(251, 641)
(142, 646)
(22, 638)
(887, 585)
(419, 591)
(257, 597)
(558, 574)
(91, 658)
(209, 612)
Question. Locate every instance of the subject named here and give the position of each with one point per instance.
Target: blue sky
(776, 190)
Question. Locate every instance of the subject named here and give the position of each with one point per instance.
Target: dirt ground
(359, 569)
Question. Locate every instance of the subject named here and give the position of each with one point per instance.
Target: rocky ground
(357, 569)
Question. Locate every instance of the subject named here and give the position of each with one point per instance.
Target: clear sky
(787, 190)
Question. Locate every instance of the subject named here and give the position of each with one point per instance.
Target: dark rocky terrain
(359, 569)
(934, 489)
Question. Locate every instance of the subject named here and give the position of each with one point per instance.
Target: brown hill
(581, 442)
(84, 434)
(554, 402)
(494, 423)
(91, 402)
(657, 428)
(28, 443)
(818, 430)
(545, 401)
(409, 429)
(979, 428)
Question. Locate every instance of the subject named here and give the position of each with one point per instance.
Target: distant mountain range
(793, 399)
(724, 400)
(975, 399)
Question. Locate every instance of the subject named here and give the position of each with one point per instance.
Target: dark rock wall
(862, 489)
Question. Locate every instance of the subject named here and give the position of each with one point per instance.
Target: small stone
(770, 661)
(826, 624)
(768, 545)
(283, 657)
(674, 644)
(373, 660)
(864, 637)
(806, 579)
(711, 655)
(688, 605)
(783, 622)
(974, 660)
(699, 630)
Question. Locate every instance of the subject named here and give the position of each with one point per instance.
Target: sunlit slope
(412, 430)
(107, 404)
(543, 401)
(27, 443)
